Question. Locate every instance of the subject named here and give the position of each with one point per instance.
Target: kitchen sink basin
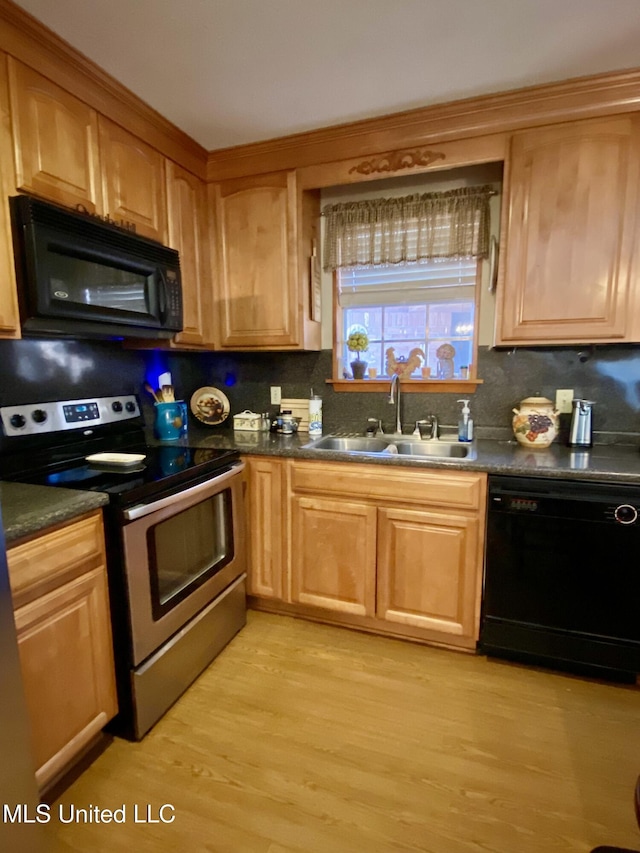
(350, 444)
(446, 450)
(393, 444)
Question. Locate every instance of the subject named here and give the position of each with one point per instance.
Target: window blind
(407, 284)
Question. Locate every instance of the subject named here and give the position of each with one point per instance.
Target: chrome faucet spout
(394, 398)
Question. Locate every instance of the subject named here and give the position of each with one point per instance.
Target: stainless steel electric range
(175, 538)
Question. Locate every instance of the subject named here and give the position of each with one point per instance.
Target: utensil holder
(168, 421)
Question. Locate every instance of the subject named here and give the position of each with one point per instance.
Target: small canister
(315, 416)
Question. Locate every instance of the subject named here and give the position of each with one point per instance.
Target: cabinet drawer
(461, 489)
(45, 562)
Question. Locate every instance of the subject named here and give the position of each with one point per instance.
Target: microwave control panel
(40, 418)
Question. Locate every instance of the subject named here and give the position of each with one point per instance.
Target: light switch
(276, 395)
(564, 399)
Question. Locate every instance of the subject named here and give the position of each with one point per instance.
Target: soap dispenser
(465, 424)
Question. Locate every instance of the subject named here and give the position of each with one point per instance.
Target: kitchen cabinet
(572, 194)
(133, 181)
(265, 239)
(428, 570)
(390, 550)
(61, 607)
(333, 554)
(9, 313)
(55, 139)
(188, 233)
(266, 511)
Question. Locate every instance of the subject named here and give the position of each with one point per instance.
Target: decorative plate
(120, 459)
(210, 406)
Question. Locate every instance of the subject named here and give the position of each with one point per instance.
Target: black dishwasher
(562, 575)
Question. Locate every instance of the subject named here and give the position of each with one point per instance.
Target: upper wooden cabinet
(133, 180)
(55, 138)
(572, 196)
(9, 314)
(188, 233)
(265, 228)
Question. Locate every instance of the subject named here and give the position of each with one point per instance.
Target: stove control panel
(40, 418)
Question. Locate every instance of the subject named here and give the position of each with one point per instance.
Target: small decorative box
(247, 421)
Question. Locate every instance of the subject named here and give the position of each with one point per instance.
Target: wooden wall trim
(583, 97)
(25, 38)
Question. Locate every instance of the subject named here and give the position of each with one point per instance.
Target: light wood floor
(304, 738)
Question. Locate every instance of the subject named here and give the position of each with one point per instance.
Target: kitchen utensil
(168, 395)
(164, 379)
(535, 423)
(581, 431)
(210, 406)
(150, 390)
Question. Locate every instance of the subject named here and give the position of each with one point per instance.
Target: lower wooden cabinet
(266, 513)
(333, 554)
(428, 573)
(393, 550)
(61, 607)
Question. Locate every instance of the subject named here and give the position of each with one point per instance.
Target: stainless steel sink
(406, 445)
(350, 444)
(434, 448)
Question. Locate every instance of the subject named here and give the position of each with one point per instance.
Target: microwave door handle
(162, 297)
(140, 510)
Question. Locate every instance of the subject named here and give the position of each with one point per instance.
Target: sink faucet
(394, 398)
(435, 426)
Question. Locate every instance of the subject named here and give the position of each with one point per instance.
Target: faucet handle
(374, 426)
(429, 427)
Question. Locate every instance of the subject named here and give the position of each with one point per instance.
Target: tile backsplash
(39, 370)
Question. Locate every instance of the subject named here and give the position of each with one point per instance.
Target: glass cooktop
(163, 469)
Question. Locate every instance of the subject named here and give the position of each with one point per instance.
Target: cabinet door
(187, 232)
(67, 665)
(55, 141)
(257, 248)
(333, 555)
(9, 314)
(266, 526)
(571, 227)
(428, 571)
(133, 181)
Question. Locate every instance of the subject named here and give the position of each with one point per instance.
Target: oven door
(180, 552)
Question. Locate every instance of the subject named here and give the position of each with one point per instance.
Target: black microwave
(81, 276)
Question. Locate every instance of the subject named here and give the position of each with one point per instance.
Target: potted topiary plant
(358, 342)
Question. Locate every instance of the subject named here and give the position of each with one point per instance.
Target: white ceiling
(234, 71)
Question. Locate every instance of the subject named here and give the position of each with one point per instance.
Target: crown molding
(582, 97)
(25, 38)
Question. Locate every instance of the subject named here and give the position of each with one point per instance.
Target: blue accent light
(156, 365)
(230, 379)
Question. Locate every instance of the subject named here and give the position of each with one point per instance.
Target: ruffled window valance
(452, 224)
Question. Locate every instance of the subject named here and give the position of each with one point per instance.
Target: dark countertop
(606, 462)
(28, 509)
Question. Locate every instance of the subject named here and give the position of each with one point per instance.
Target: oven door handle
(140, 510)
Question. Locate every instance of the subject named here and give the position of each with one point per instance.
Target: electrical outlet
(564, 399)
(276, 395)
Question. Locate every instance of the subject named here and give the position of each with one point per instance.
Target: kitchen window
(406, 275)
(419, 306)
